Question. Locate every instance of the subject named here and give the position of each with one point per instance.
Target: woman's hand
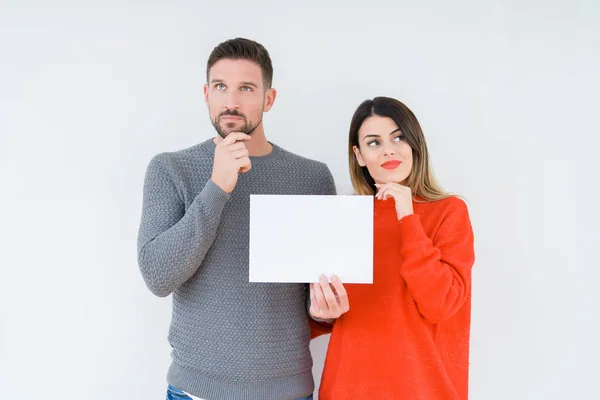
(402, 196)
(328, 300)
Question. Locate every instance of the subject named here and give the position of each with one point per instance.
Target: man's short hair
(243, 49)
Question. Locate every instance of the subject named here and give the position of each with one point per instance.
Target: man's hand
(231, 157)
(328, 300)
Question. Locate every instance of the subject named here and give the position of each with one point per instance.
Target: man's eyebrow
(245, 83)
(250, 84)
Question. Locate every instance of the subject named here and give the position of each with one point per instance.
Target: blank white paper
(298, 238)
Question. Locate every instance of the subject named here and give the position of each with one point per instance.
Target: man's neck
(258, 145)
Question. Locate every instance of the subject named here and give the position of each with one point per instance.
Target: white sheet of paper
(298, 238)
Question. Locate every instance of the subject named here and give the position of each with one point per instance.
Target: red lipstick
(392, 164)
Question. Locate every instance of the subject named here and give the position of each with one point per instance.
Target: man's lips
(230, 117)
(392, 164)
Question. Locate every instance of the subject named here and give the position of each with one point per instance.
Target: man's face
(236, 96)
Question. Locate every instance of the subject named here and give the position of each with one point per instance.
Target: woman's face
(383, 151)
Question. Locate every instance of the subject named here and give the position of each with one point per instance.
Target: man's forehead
(228, 70)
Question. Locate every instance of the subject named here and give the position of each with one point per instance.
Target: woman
(406, 336)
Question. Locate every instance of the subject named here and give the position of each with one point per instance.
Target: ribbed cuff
(320, 320)
(213, 197)
(410, 230)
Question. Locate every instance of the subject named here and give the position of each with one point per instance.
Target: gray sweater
(231, 339)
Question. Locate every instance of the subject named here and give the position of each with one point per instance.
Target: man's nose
(233, 100)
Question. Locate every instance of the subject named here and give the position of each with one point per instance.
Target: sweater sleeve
(438, 272)
(319, 328)
(173, 241)
(328, 183)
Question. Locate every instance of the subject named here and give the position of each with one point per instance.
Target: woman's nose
(388, 150)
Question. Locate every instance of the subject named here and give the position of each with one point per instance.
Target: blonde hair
(421, 180)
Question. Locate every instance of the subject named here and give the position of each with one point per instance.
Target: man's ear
(270, 96)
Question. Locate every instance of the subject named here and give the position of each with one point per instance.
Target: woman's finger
(384, 193)
(330, 297)
(340, 291)
(315, 311)
(320, 299)
(395, 191)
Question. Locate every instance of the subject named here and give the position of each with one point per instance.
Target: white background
(507, 94)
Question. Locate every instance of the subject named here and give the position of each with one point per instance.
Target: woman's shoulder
(448, 205)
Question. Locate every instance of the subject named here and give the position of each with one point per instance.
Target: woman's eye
(399, 138)
(372, 143)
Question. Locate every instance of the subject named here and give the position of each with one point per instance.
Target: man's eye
(246, 88)
(220, 86)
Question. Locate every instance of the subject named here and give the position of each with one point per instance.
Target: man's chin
(224, 132)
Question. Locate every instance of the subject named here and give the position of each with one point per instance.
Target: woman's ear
(359, 158)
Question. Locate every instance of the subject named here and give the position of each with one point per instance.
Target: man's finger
(244, 164)
(234, 137)
(237, 146)
(241, 153)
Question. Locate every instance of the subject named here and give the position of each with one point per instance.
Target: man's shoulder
(192, 155)
(305, 162)
(192, 152)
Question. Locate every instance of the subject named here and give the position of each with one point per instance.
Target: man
(231, 339)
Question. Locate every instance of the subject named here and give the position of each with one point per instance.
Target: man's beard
(247, 128)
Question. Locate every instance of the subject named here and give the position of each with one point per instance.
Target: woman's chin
(386, 181)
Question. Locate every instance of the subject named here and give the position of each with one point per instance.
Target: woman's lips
(391, 164)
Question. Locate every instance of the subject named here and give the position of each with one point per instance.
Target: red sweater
(406, 336)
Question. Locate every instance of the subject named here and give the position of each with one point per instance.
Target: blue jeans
(176, 394)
